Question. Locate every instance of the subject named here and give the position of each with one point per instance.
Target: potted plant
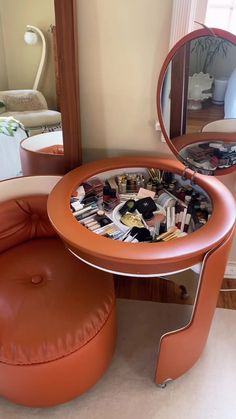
(206, 49)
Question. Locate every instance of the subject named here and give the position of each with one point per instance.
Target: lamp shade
(30, 37)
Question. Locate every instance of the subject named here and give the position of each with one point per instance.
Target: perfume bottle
(123, 186)
(139, 183)
(149, 184)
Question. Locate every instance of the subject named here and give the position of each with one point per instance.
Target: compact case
(207, 247)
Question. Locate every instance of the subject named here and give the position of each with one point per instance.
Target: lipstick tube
(183, 220)
(180, 217)
(187, 222)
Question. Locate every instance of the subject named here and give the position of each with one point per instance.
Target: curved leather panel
(23, 219)
(38, 163)
(180, 349)
(50, 303)
(59, 381)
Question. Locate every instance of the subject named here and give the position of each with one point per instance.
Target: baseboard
(230, 271)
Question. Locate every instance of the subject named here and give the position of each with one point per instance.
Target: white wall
(121, 48)
(122, 44)
(3, 70)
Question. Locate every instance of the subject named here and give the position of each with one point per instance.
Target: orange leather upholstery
(62, 313)
(53, 149)
(23, 219)
(41, 163)
(43, 154)
(57, 315)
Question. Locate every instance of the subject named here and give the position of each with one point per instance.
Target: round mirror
(196, 101)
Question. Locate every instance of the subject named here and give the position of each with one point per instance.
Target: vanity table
(207, 247)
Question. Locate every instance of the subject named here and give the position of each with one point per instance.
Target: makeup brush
(164, 235)
(126, 234)
(130, 238)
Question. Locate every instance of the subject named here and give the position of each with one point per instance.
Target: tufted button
(35, 217)
(36, 279)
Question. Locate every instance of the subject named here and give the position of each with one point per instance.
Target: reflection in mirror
(210, 156)
(207, 153)
(20, 61)
(198, 94)
(203, 80)
(212, 61)
(27, 77)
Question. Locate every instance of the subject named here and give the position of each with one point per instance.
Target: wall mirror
(68, 69)
(63, 16)
(196, 100)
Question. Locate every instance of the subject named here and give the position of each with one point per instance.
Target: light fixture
(31, 38)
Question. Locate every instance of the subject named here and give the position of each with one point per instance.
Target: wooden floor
(160, 290)
(196, 119)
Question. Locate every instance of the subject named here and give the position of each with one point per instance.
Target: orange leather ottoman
(57, 315)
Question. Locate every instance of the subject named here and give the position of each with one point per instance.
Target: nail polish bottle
(180, 193)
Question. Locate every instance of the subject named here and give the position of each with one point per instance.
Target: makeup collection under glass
(212, 155)
(146, 205)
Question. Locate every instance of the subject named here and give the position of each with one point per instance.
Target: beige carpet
(127, 390)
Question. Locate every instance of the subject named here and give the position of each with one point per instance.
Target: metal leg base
(164, 384)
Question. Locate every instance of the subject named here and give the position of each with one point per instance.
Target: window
(221, 14)
(184, 15)
(214, 13)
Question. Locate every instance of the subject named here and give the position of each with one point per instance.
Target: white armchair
(31, 109)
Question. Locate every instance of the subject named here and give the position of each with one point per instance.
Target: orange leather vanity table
(208, 246)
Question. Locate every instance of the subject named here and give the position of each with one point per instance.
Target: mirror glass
(198, 98)
(27, 55)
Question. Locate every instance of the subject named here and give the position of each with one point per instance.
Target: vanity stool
(43, 154)
(57, 315)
